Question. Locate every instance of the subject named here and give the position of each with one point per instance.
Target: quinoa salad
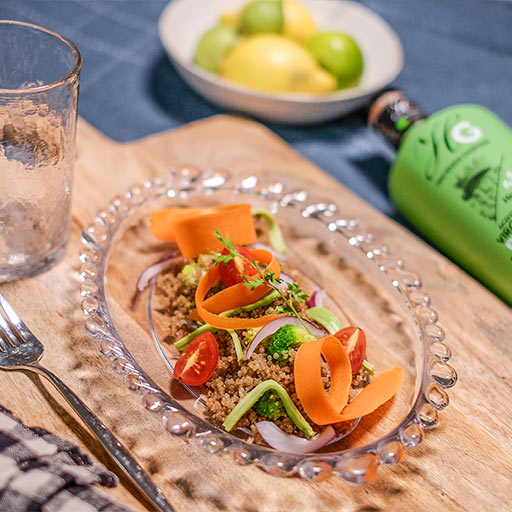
(259, 346)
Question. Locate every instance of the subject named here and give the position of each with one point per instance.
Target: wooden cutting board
(465, 464)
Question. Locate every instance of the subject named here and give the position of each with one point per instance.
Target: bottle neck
(392, 114)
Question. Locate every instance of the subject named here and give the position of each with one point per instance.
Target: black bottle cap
(392, 114)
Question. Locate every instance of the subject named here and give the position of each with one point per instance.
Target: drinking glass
(39, 75)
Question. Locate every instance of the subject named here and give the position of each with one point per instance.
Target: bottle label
(461, 154)
(453, 179)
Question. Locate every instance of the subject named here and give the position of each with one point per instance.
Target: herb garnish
(266, 277)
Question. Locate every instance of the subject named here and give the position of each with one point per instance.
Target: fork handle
(108, 440)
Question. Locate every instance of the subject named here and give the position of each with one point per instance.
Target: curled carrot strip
(193, 229)
(321, 407)
(240, 295)
(233, 297)
(325, 408)
(162, 221)
(380, 390)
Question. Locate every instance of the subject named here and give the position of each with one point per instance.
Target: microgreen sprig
(266, 277)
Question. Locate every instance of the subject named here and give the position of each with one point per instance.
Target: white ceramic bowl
(183, 22)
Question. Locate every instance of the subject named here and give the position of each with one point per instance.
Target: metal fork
(21, 350)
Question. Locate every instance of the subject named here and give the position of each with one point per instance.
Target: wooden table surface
(464, 464)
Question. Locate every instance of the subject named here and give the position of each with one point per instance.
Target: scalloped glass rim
(355, 465)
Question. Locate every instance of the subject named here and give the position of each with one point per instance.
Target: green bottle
(452, 179)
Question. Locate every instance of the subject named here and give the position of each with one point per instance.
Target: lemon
(213, 45)
(261, 16)
(339, 54)
(298, 21)
(274, 63)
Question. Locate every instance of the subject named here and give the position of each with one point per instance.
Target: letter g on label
(466, 133)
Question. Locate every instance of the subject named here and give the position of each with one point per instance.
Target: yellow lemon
(274, 63)
(298, 21)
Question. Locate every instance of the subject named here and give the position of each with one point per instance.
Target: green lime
(213, 46)
(261, 16)
(340, 55)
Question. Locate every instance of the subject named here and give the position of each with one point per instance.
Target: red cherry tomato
(354, 341)
(198, 361)
(236, 268)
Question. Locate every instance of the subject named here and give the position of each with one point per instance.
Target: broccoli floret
(284, 338)
(192, 274)
(255, 394)
(270, 406)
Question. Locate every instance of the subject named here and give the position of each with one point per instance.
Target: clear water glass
(39, 76)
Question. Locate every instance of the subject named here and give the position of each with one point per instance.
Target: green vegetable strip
(367, 366)
(325, 318)
(274, 231)
(264, 301)
(181, 344)
(238, 346)
(255, 394)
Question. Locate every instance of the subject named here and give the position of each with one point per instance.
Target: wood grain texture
(465, 464)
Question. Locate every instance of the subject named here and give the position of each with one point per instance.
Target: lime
(298, 21)
(262, 16)
(275, 63)
(213, 46)
(339, 54)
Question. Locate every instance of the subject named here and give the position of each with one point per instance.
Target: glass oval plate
(365, 283)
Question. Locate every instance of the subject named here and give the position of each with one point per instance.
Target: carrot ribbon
(193, 229)
(233, 297)
(325, 408)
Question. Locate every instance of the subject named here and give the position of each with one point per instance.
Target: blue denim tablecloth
(457, 51)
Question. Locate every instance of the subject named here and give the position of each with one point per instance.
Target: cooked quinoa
(231, 380)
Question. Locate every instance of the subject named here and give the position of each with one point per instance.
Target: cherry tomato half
(354, 341)
(198, 361)
(236, 268)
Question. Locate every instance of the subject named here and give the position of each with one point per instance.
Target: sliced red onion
(286, 280)
(273, 326)
(288, 443)
(265, 247)
(155, 269)
(317, 298)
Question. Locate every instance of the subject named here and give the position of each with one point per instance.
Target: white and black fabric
(42, 472)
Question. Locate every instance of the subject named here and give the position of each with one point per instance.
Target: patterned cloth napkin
(41, 472)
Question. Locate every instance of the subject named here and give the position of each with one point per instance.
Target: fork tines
(9, 333)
